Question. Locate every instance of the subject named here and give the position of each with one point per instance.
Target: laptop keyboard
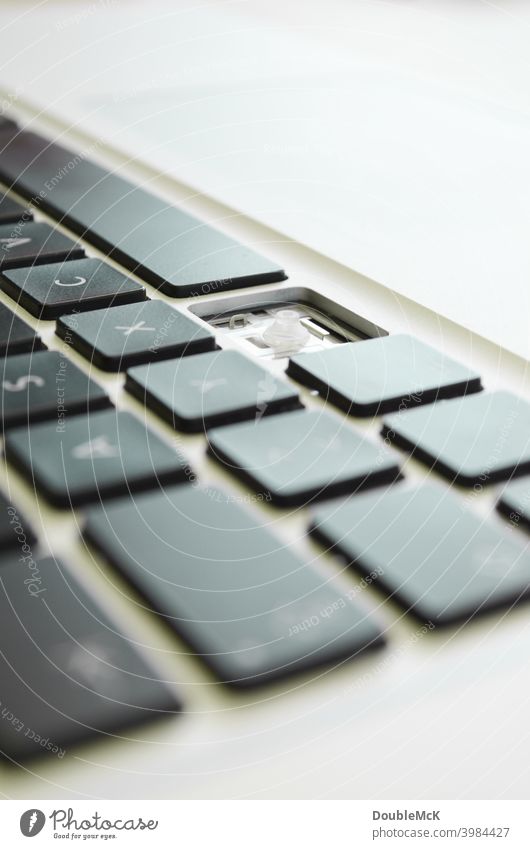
(209, 563)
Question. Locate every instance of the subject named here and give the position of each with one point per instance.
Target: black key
(14, 529)
(210, 389)
(473, 441)
(44, 385)
(49, 291)
(34, 244)
(515, 502)
(11, 211)
(428, 552)
(68, 672)
(126, 336)
(7, 125)
(16, 337)
(235, 594)
(93, 458)
(380, 375)
(166, 247)
(302, 456)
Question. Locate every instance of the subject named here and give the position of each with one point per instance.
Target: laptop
(265, 489)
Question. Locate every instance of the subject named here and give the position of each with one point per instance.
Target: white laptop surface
(392, 137)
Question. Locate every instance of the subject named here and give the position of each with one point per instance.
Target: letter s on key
(22, 383)
(80, 282)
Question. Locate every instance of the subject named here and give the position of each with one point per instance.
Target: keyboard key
(380, 375)
(210, 389)
(14, 529)
(473, 441)
(7, 125)
(435, 558)
(40, 386)
(515, 502)
(93, 458)
(11, 211)
(49, 291)
(16, 337)
(302, 456)
(230, 589)
(116, 339)
(33, 244)
(68, 672)
(165, 246)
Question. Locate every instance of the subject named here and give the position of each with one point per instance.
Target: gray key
(11, 211)
(381, 375)
(45, 385)
(302, 456)
(434, 557)
(243, 601)
(117, 338)
(68, 673)
(474, 441)
(55, 289)
(515, 502)
(93, 458)
(210, 389)
(16, 337)
(27, 243)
